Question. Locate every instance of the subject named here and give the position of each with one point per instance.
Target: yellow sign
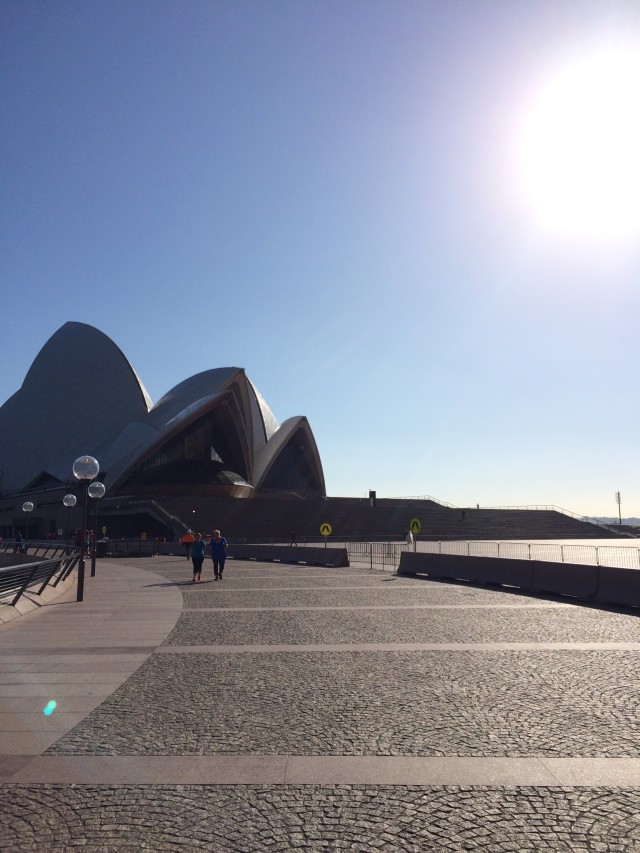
(415, 525)
(326, 529)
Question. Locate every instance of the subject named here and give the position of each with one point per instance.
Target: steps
(274, 519)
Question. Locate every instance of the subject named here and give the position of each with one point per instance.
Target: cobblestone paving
(484, 703)
(403, 626)
(278, 819)
(245, 574)
(499, 703)
(200, 596)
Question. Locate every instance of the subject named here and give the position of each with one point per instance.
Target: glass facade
(209, 450)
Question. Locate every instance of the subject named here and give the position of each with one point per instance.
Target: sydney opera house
(211, 434)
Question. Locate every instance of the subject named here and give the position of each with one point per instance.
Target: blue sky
(329, 194)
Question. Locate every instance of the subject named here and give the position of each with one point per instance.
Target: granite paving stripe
(530, 771)
(389, 625)
(301, 648)
(357, 818)
(202, 596)
(78, 662)
(24, 721)
(26, 743)
(377, 607)
(55, 678)
(322, 770)
(27, 705)
(98, 686)
(297, 583)
(153, 769)
(500, 704)
(86, 649)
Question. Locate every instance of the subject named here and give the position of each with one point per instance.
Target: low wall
(336, 557)
(601, 584)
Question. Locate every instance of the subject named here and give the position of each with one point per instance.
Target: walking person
(218, 554)
(197, 556)
(187, 541)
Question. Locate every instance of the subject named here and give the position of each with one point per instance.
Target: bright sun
(579, 149)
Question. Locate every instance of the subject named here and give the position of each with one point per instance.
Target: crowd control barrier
(334, 557)
(601, 584)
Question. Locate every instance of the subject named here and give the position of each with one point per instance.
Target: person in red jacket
(187, 540)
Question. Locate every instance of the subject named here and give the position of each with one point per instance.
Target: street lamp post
(96, 491)
(27, 507)
(69, 501)
(85, 469)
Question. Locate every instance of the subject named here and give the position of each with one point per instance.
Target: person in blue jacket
(218, 554)
(197, 557)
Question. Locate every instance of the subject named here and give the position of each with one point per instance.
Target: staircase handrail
(587, 519)
(422, 498)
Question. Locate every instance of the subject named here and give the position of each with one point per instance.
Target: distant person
(409, 539)
(292, 540)
(218, 554)
(187, 540)
(198, 547)
(463, 514)
(18, 543)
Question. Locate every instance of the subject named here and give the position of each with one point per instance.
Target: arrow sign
(415, 525)
(325, 529)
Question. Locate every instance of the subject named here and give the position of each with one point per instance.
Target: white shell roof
(81, 395)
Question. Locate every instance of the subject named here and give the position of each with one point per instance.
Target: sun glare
(579, 151)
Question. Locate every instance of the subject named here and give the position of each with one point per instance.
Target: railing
(537, 507)
(624, 556)
(18, 579)
(423, 498)
(383, 554)
(587, 519)
(143, 500)
(388, 554)
(128, 548)
(49, 548)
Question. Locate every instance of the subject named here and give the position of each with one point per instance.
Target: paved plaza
(316, 709)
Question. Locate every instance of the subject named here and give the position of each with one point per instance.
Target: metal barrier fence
(47, 549)
(387, 554)
(129, 548)
(383, 554)
(623, 556)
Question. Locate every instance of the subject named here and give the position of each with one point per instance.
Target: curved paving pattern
(519, 625)
(355, 818)
(322, 710)
(383, 703)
